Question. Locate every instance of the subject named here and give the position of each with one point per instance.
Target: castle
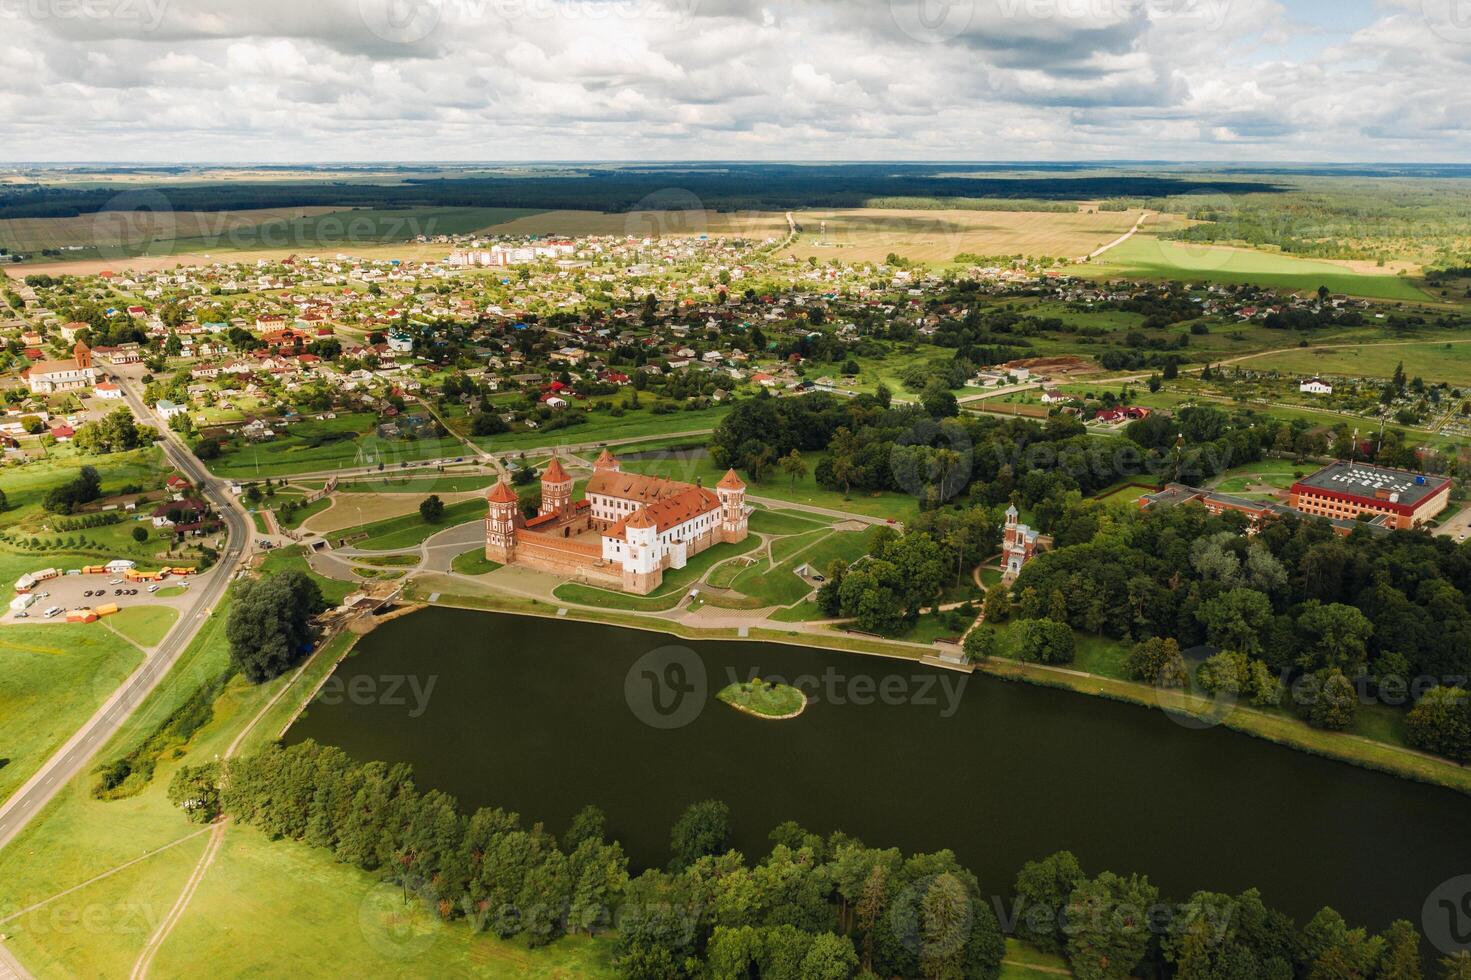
(624, 533)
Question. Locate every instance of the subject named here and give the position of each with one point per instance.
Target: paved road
(77, 753)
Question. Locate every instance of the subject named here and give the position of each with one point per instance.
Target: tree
(140, 534)
(794, 466)
(1441, 723)
(979, 644)
(589, 824)
(196, 790)
(1044, 641)
(1043, 889)
(1235, 620)
(1157, 661)
(703, 829)
(1339, 637)
(1107, 922)
(1333, 701)
(270, 623)
(431, 509)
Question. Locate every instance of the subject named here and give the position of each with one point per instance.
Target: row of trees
(813, 907)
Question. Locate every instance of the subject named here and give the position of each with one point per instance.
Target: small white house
(1051, 396)
(167, 409)
(1315, 386)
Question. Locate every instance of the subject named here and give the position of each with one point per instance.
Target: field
(310, 445)
(116, 235)
(778, 585)
(1147, 256)
(605, 427)
(410, 530)
(353, 509)
(870, 234)
(55, 676)
(144, 625)
(676, 223)
(1443, 361)
(294, 559)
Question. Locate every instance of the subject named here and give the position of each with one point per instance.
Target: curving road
(77, 753)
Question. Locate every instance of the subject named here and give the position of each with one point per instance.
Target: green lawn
(294, 558)
(300, 513)
(410, 529)
(604, 426)
(780, 586)
(54, 677)
(785, 521)
(474, 562)
(144, 625)
(1433, 361)
(1149, 257)
(445, 483)
(309, 445)
(1022, 962)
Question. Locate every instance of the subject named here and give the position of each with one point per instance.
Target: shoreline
(1286, 732)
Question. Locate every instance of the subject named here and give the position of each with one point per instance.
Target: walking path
(1117, 241)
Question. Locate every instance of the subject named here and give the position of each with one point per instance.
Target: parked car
(22, 615)
(153, 588)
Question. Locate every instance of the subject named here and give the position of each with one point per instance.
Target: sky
(310, 81)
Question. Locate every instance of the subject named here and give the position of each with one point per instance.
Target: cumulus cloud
(285, 80)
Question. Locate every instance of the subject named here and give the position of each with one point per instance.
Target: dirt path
(1117, 241)
(145, 959)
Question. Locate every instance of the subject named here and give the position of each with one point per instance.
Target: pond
(543, 716)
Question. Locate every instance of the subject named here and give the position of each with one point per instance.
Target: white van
(53, 611)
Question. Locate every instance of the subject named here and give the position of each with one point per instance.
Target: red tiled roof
(669, 512)
(730, 481)
(502, 493)
(554, 473)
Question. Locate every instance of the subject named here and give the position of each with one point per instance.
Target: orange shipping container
(108, 609)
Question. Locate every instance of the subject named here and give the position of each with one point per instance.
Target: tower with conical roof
(605, 463)
(642, 568)
(500, 522)
(733, 519)
(556, 489)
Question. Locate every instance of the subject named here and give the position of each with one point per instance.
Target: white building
(1315, 386)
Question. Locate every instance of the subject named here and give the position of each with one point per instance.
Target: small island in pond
(775, 702)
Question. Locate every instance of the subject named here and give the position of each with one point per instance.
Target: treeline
(814, 907)
(727, 188)
(1349, 619)
(874, 446)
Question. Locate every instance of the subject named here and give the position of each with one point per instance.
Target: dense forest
(728, 187)
(813, 908)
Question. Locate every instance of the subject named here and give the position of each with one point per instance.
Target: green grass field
(310, 445)
(293, 558)
(54, 677)
(474, 562)
(1433, 361)
(603, 426)
(1149, 257)
(144, 625)
(785, 522)
(456, 483)
(779, 585)
(410, 529)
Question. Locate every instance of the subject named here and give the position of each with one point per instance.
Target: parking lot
(71, 591)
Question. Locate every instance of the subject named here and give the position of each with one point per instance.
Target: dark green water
(532, 715)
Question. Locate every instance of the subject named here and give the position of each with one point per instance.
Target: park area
(1433, 361)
